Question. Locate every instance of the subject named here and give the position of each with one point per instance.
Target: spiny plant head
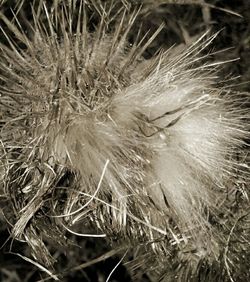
(149, 153)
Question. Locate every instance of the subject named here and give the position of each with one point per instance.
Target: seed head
(147, 152)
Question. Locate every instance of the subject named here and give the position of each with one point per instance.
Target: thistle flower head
(146, 151)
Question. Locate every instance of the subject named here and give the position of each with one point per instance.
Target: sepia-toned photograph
(124, 140)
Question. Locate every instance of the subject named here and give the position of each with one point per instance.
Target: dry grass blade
(38, 265)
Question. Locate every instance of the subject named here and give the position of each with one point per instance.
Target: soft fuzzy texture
(142, 151)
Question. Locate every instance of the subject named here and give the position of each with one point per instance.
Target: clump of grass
(147, 153)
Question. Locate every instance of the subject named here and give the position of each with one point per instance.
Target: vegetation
(99, 183)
